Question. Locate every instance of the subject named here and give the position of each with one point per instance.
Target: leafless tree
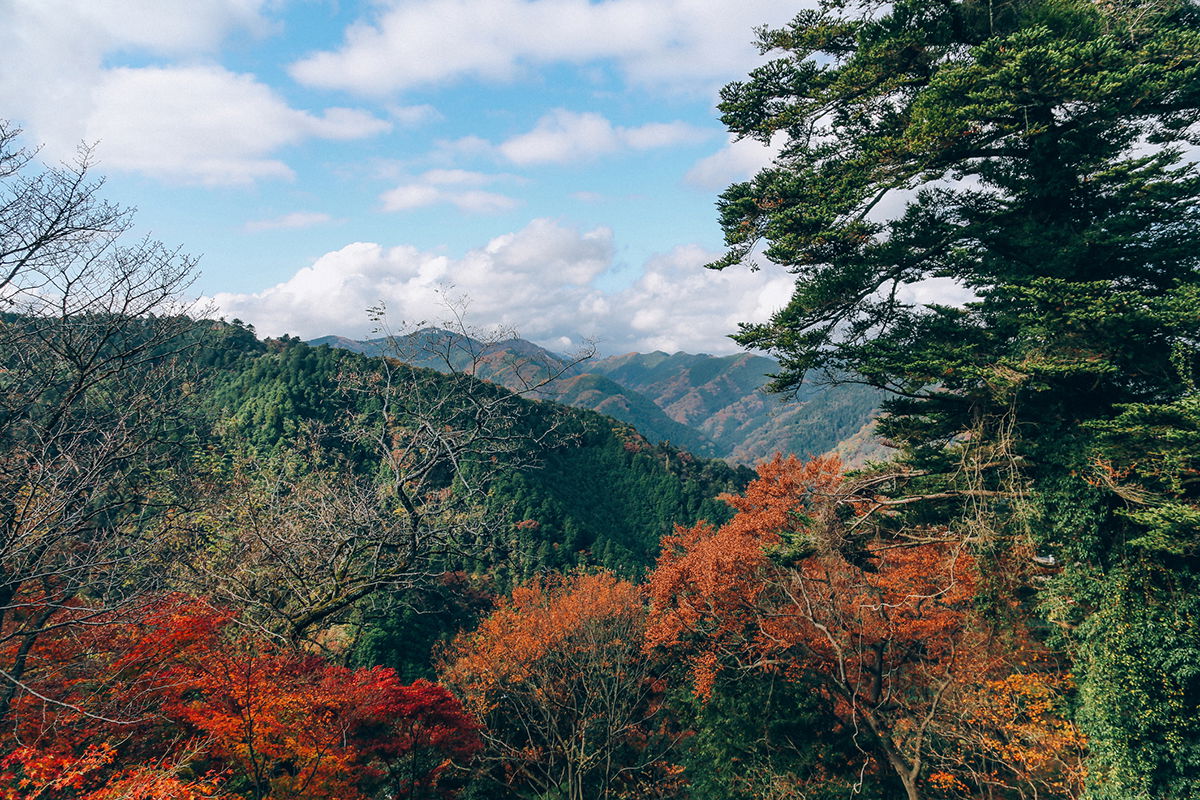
(300, 539)
(88, 326)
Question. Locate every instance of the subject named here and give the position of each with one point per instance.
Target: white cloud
(164, 27)
(460, 177)
(410, 196)
(54, 51)
(563, 137)
(412, 116)
(532, 279)
(738, 160)
(479, 202)
(660, 134)
(674, 43)
(452, 151)
(293, 221)
(679, 305)
(939, 291)
(339, 123)
(540, 280)
(195, 122)
(205, 124)
(449, 186)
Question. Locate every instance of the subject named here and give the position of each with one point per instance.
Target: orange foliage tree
(1006, 736)
(558, 676)
(177, 702)
(889, 633)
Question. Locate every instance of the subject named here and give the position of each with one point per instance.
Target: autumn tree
(293, 726)
(558, 678)
(179, 698)
(889, 632)
(1026, 160)
(89, 721)
(1007, 736)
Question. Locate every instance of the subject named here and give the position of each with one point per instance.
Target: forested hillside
(586, 490)
(244, 568)
(229, 562)
(723, 398)
(712, 406)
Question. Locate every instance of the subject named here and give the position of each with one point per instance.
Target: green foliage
(596, 494)
(631, 407)
(1158, 482)
(600, 494)
(707, 405)
(403, 630)
(1029, 154)
(761, 735)
(607, 497)
(1139, 694)
(263, 399)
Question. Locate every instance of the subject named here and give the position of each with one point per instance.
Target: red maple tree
(178, 702)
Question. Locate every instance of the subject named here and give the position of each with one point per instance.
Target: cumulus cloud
(462, 177)
(532, 279)
(936, 291)
(293, 221)
(679, 305)
(449, 186)
(205, 124)
(196, 122)
(563, 137)
(673, 43)
(540, 280)
(165, 27)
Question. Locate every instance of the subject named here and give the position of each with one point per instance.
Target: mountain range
(712, 406)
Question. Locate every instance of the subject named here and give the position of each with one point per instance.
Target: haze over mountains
(712, 406)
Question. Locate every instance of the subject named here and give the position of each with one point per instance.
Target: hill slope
(713, 406)
(597, 493)
(722, 397)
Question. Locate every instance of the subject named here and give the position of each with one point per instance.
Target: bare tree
(301, 539)
(88, 326)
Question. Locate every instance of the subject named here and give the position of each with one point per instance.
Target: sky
(551, 165)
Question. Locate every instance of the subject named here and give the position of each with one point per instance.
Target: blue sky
(554, 162)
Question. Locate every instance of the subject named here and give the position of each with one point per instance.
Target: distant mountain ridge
(712, 406)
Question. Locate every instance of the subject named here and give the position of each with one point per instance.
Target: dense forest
(234, 567)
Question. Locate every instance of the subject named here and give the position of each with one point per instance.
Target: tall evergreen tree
(1028, 153)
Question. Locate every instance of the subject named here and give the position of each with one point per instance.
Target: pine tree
(1027, 154)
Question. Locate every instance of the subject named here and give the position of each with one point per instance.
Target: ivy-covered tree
(1028, 154)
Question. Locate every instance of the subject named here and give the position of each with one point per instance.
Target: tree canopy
(1028, 157)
